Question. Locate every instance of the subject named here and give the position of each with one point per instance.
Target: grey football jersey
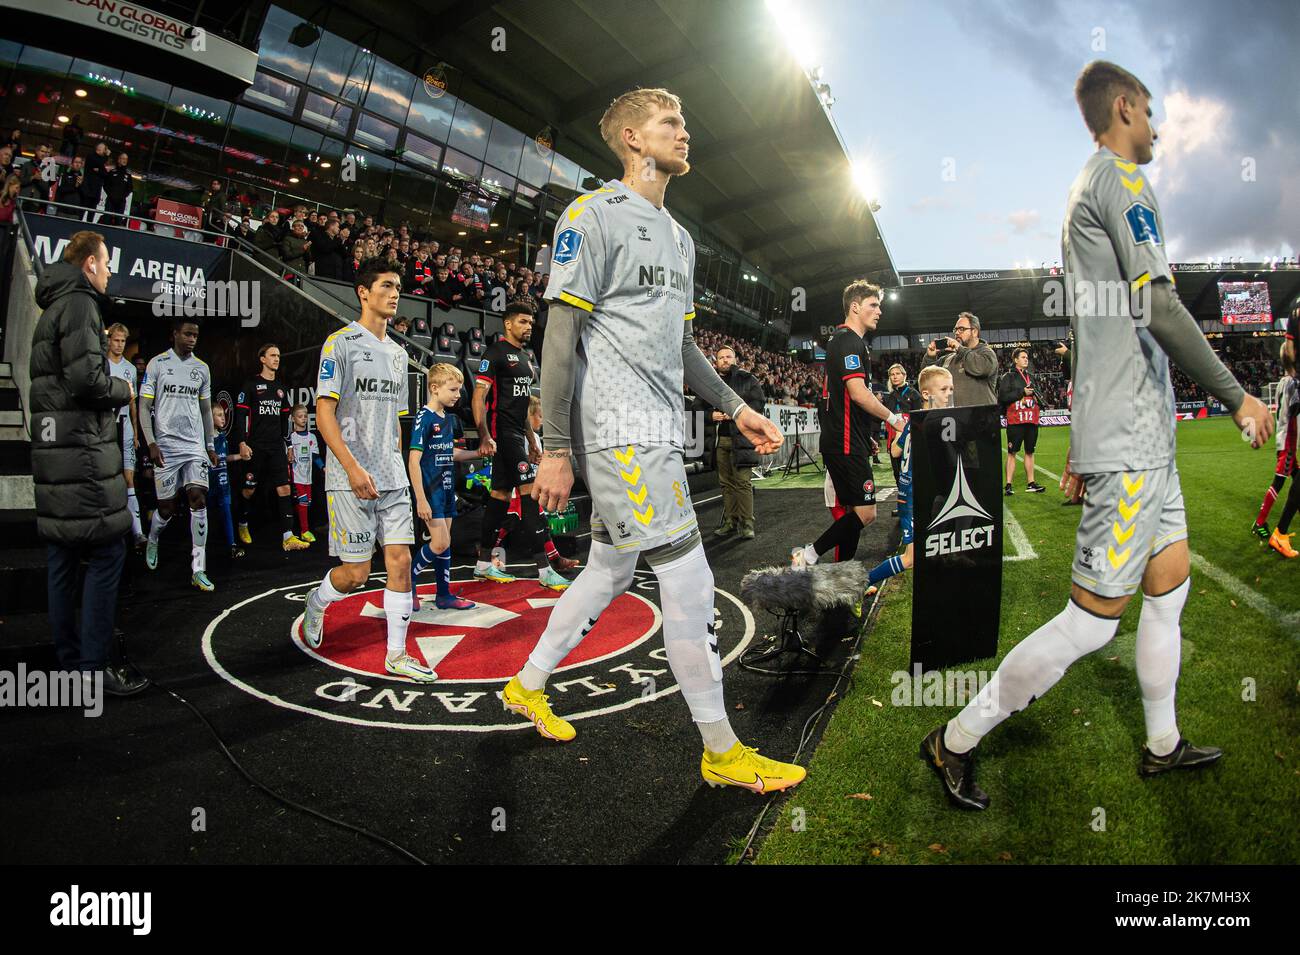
(126, 371)
(176, 387)
(1112, 245)
(368, 377)
(633, 268)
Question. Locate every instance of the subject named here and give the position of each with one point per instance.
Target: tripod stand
(796, 450)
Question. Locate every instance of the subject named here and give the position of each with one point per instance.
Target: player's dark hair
(261, 352)
(181, 320)
(858, 290)
(1096, 88)
(369, 271)
(519, 308)
(1015, 353)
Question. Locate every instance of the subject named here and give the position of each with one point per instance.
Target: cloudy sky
(964, 113)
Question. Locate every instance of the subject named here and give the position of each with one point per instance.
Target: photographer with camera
(971, 362)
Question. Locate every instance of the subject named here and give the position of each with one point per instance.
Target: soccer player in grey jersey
(176, 418)
(619, 345)
(1128, 323)
(360, 396)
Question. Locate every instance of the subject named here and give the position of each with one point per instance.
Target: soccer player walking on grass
(1133, 529)
(360, 395)
(618, 347)
(1288, 411)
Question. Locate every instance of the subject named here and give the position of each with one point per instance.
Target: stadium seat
(446, 349)
(473, 355)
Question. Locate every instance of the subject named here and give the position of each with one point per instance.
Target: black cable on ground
(809, 726)
(257, 784)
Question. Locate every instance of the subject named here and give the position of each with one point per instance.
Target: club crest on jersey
(1142, 224)
(568, 245)
(852, 362)
(484, 365)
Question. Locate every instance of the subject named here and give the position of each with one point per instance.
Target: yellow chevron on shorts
(632, 478)
(1118, 560)
(1122, 536)
(1128, 167)
(625, 457)
(1131, 488)
(647, 517)
(1126, 511)
(639, 499)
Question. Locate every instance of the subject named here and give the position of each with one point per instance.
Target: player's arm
(554, 481)
(479, 403)
(413, 459)
(1174, 329)
(704, 382)
(861, 396)
(327, 422)
(209, 429)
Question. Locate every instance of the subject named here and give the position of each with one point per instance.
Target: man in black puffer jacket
(81, 508)
(736, 456)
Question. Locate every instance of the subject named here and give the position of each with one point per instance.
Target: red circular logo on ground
(490, 642)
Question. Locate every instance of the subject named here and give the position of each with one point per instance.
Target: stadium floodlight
(893, 296)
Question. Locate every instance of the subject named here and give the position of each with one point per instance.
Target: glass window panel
(306, 160)
(390, 91)
(276, 51)
(46, 61)
(340, 68)
(331, 114)
(535, 164)
(469, 132)
(497, 183)
(372, 172)
(459, 167)
(255, 147)
(9, 51)
(376, 133)
(564, 172)
(431, 117)
(144, 88)
(410, 197)
(192, 130)
(421, 152)
(505, 146)
(271, 92)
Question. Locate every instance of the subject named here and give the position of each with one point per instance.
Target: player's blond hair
(633, 108)
(890, 374)
(294, 409)
(534, 405)
(115, 328)
(1095, 91)
(926, 379)
(443, 372)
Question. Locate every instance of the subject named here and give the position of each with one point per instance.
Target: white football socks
(1159, 650)
(686, 593)
(397, 608)
(1033, 667)
(198, 540)
(133, 505)
(608, 573)
(156, 525)
(324, 594)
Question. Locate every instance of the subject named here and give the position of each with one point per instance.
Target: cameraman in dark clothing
(735, 454)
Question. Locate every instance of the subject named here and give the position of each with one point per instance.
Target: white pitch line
(1248, 595)
(1024, 550)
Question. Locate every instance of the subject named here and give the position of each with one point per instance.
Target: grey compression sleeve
(146, 421)
(209, 430)
(564, 325)
(703, 379)
(1173, 327)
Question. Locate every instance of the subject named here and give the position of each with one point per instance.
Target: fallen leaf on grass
(739, 706)
(1233, 602)
(876, 702)
(1004, 856)
(1280, 755)
(938, 848)
(858, 796)
(1076, 711)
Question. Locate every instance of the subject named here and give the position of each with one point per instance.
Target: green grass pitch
(1062, 775)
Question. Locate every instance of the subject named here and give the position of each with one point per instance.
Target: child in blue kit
(431, 464)
(219, 482)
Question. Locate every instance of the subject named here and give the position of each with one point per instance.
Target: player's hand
(534, 455)
(245, 451)
(953, 344)
(156, 456)
(363, 485)
(487, 447)
(212, 456)
(932, 349)
(424, 511)
(719, 416)
(762, 433)
(553, 483)
(1071, 483)
(1255, 422)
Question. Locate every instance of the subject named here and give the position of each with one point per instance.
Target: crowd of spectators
(784, 378)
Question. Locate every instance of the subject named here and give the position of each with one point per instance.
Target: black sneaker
(956, 772)
(1007, 490)
(1033, 487)
(1260, 531)
(1184, 756)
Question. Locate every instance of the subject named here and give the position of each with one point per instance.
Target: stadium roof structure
(770, 174)
(929, 302)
